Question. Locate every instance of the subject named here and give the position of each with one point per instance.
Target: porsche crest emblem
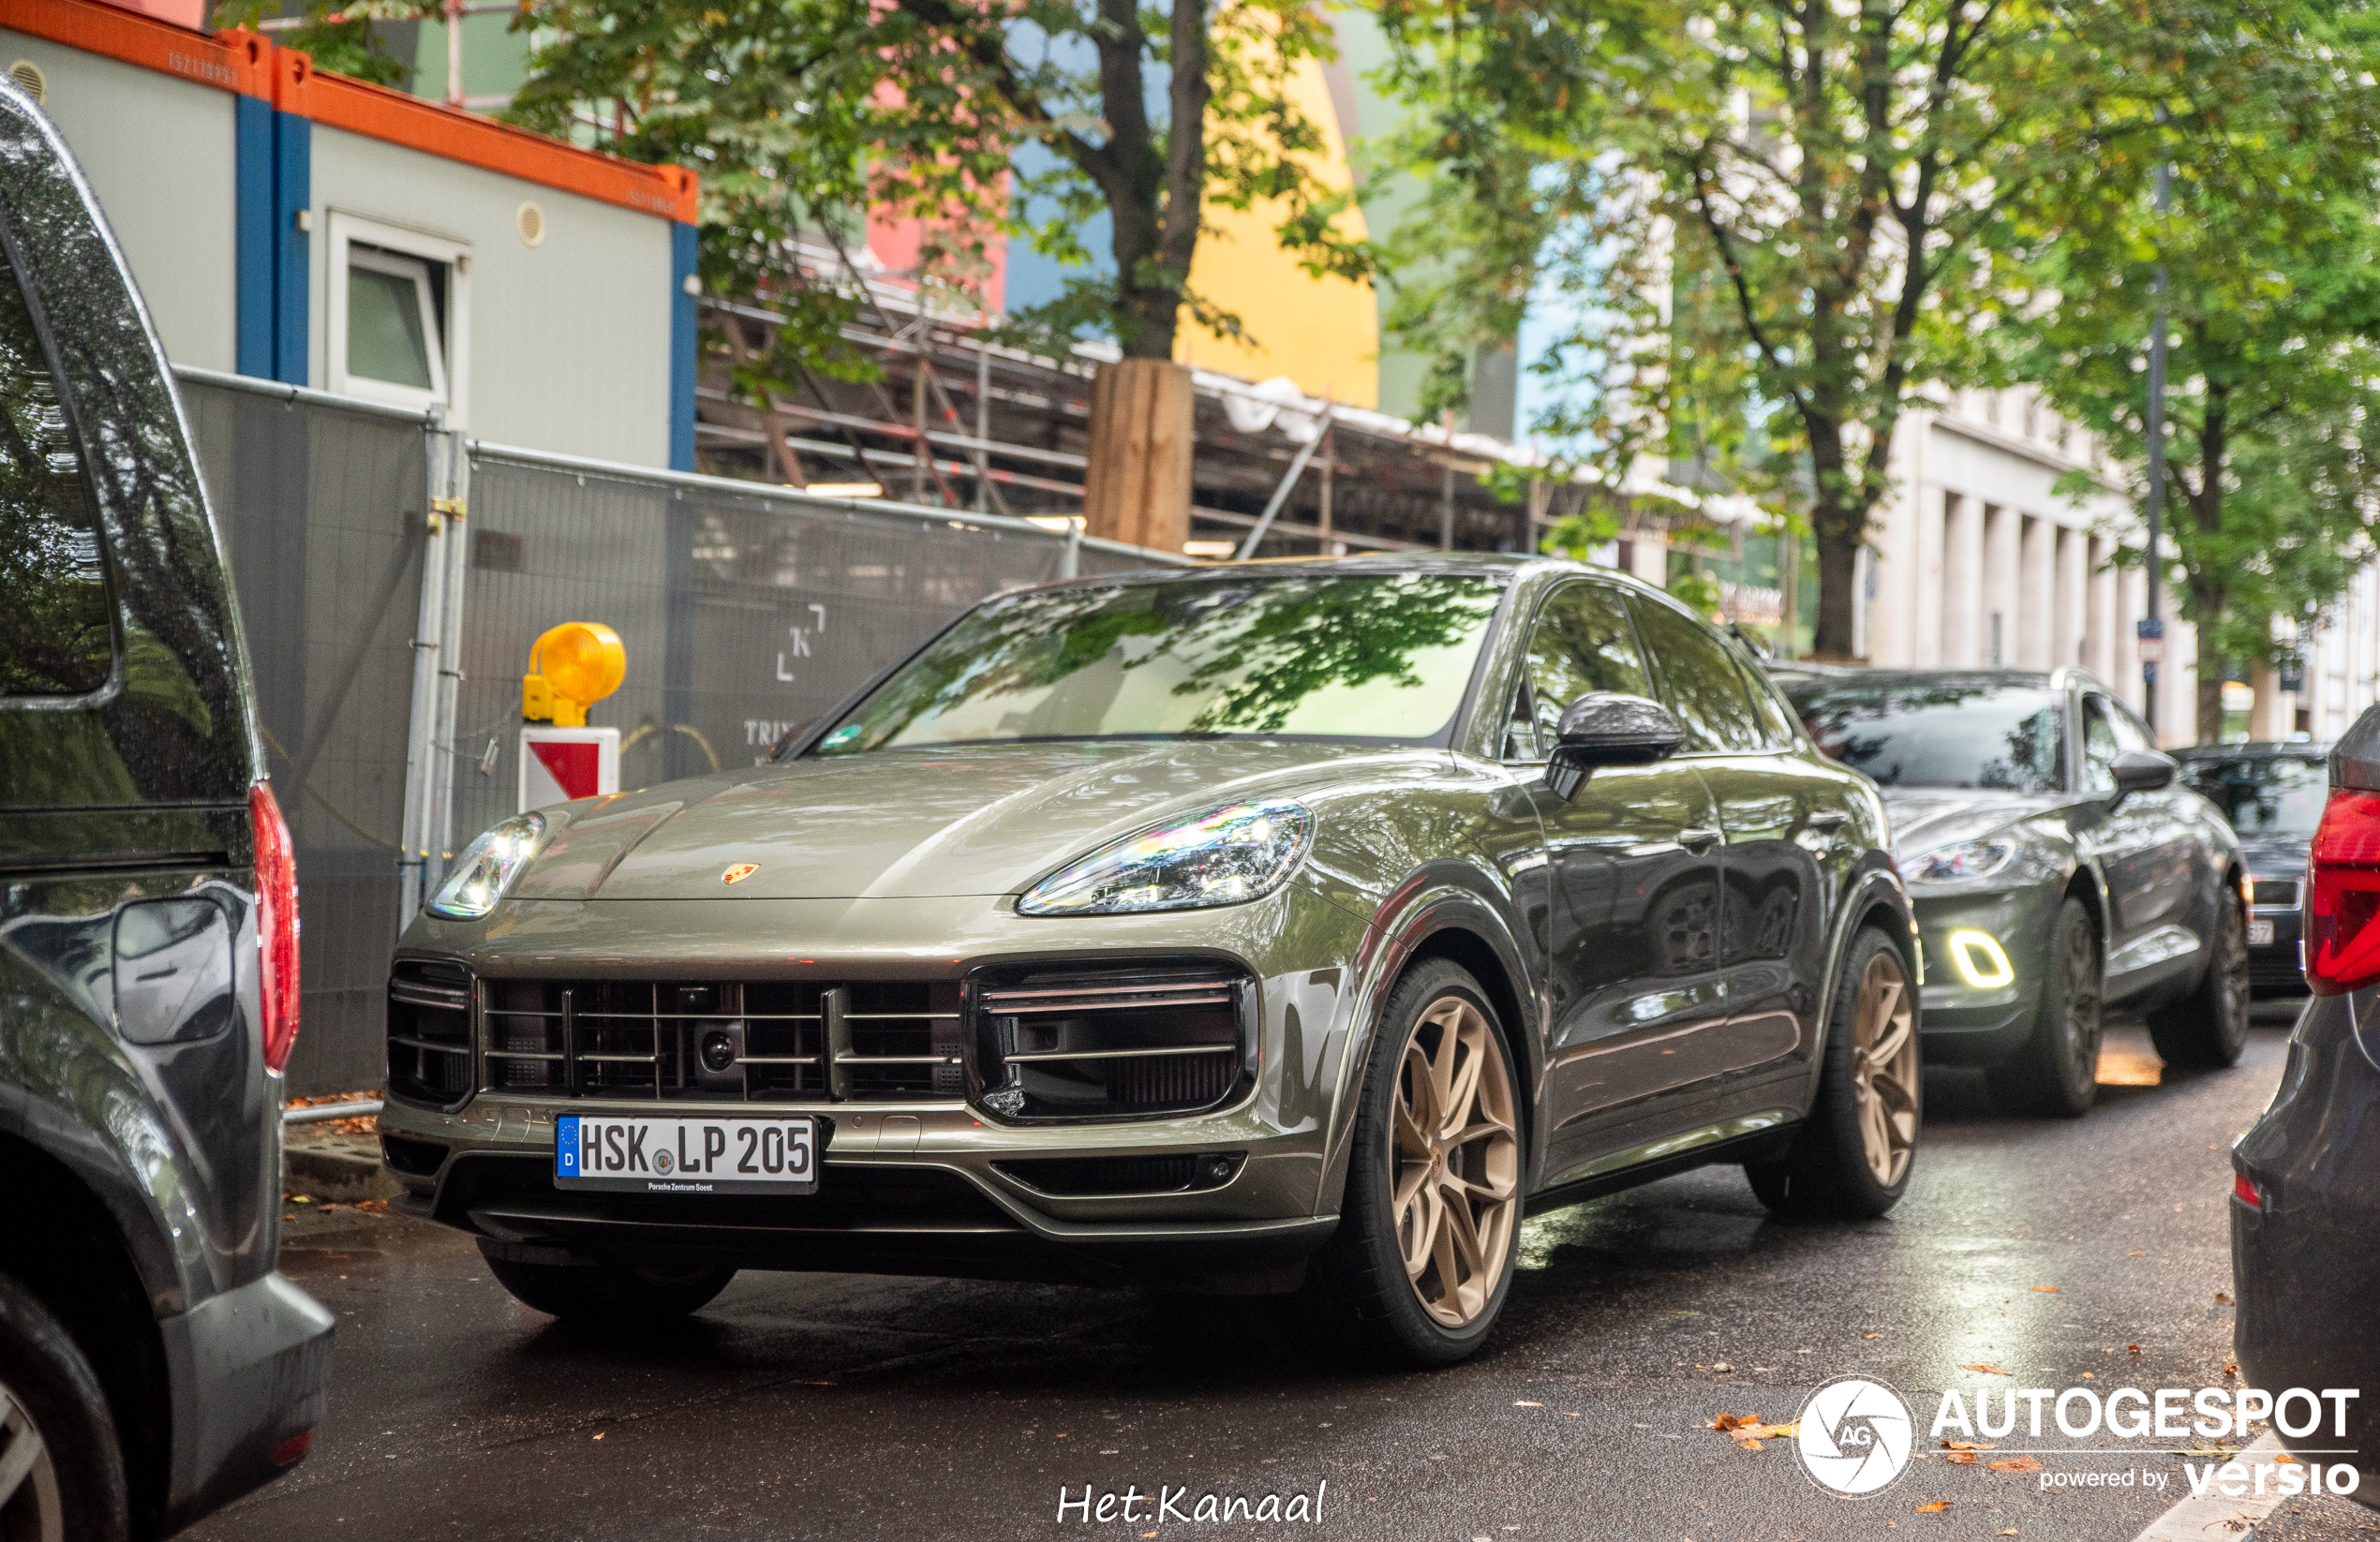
(739, 872)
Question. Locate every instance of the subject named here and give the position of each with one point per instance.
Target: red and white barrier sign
(561, 764)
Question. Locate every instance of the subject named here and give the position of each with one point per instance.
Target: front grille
(1114, 1044)
(429, 1031)
(2273, 891)
(2275, 972)
(736, 1040)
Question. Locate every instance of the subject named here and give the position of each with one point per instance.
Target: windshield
(1939, 732)
(2263, 796)
(1350, 656)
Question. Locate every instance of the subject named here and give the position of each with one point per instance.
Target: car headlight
(1229, 856)
(1969, 859)
(487, 868)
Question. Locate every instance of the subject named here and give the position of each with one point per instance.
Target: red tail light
(2343, 945)
(2245, 1192)
(277, 924)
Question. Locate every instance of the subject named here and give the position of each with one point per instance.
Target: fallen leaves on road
(1528, 1405)
(2230, 1369)
(2013, 1464)
(2010, 1532)
(2223, 1297)
(1962, 1452)
(1871, 1335)
(1934, 1508)
(373, 1207)
(2284, 1455)
(2052, 1289)
(1987, 1369)
(2136, 1252)
(1747, 1432)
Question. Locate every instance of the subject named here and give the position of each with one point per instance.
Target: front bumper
(921, 1184)
(249, 1368)
(1965, 1024)
(2301, 1261)
(943, 1203)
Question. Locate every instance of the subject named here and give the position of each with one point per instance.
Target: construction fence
(393, 574)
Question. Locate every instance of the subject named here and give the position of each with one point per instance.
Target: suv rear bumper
(247, 1368)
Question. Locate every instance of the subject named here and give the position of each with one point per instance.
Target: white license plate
(687, 1155)
(2260, 933)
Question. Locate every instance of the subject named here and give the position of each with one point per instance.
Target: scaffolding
(960, 422)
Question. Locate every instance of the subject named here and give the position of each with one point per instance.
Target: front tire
(608, 1293)
(2207, 1029)
(1417, 1272)
(2056, 1074)
(61, 1468)
(1853, 1156)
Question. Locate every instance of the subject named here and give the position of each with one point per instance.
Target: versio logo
(1854, 1437)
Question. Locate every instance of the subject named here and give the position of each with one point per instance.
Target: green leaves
(2273, 302)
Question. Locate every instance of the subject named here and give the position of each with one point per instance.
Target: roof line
(248, 64)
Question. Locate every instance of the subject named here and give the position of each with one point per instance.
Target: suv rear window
(55, 633)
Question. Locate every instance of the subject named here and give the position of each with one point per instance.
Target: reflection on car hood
(1927, 817)
(911, 823)
(2276, 853)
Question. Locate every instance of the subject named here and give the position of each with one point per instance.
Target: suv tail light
(2343, 945)
(277, 924)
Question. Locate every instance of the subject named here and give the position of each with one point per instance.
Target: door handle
(1698, 840)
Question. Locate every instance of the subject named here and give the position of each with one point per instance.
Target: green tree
(1781, 214)
(2272, 303)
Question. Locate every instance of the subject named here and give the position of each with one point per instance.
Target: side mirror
(2141, 771)
(1609, 728)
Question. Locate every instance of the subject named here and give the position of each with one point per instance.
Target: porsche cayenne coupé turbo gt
(2057, 868)
(1288, 927)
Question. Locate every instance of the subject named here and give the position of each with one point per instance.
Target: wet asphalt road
(845, 1406)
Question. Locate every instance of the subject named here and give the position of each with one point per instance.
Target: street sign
(2151, 634)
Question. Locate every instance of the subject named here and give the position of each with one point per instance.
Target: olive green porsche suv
(1288, 927)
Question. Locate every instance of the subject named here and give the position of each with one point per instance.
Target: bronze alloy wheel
(1457, 1161)
(31, 1506)
(1885, 1075)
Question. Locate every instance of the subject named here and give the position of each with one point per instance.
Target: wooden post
(1137, 489)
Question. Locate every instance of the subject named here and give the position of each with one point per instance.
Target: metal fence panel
(323, 510)
(744, 612)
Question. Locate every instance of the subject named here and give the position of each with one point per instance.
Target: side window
(1699, 681)
(1582, 643)
(2131, 733)
(56, 632)
(1776, 723)
(2100, 746)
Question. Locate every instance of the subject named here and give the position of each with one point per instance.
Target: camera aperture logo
(1855, 1436)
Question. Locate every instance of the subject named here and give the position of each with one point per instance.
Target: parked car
(2056, 867)
(2305, 1212)
(1290, 925)
(152, 1364)
(2274, 796)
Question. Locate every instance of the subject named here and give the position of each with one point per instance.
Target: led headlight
(1229, 856)
(487, 868)
(1969, 859)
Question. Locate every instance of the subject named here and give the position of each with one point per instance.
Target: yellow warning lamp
(571, 668)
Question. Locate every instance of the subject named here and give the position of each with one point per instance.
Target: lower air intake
(1112, 1044)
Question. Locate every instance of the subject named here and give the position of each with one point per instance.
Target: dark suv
(152, 1364)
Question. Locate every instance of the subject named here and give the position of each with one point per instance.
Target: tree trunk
(1137, 487)
(2210, 702)
(1837, 541)
(2209, 601)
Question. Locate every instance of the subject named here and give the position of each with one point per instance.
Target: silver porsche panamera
(1287, 928)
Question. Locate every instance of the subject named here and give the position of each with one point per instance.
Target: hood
(2276, 853)
(1927, 817)
(978, 819)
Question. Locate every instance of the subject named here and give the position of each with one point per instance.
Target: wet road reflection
(845, 1406)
